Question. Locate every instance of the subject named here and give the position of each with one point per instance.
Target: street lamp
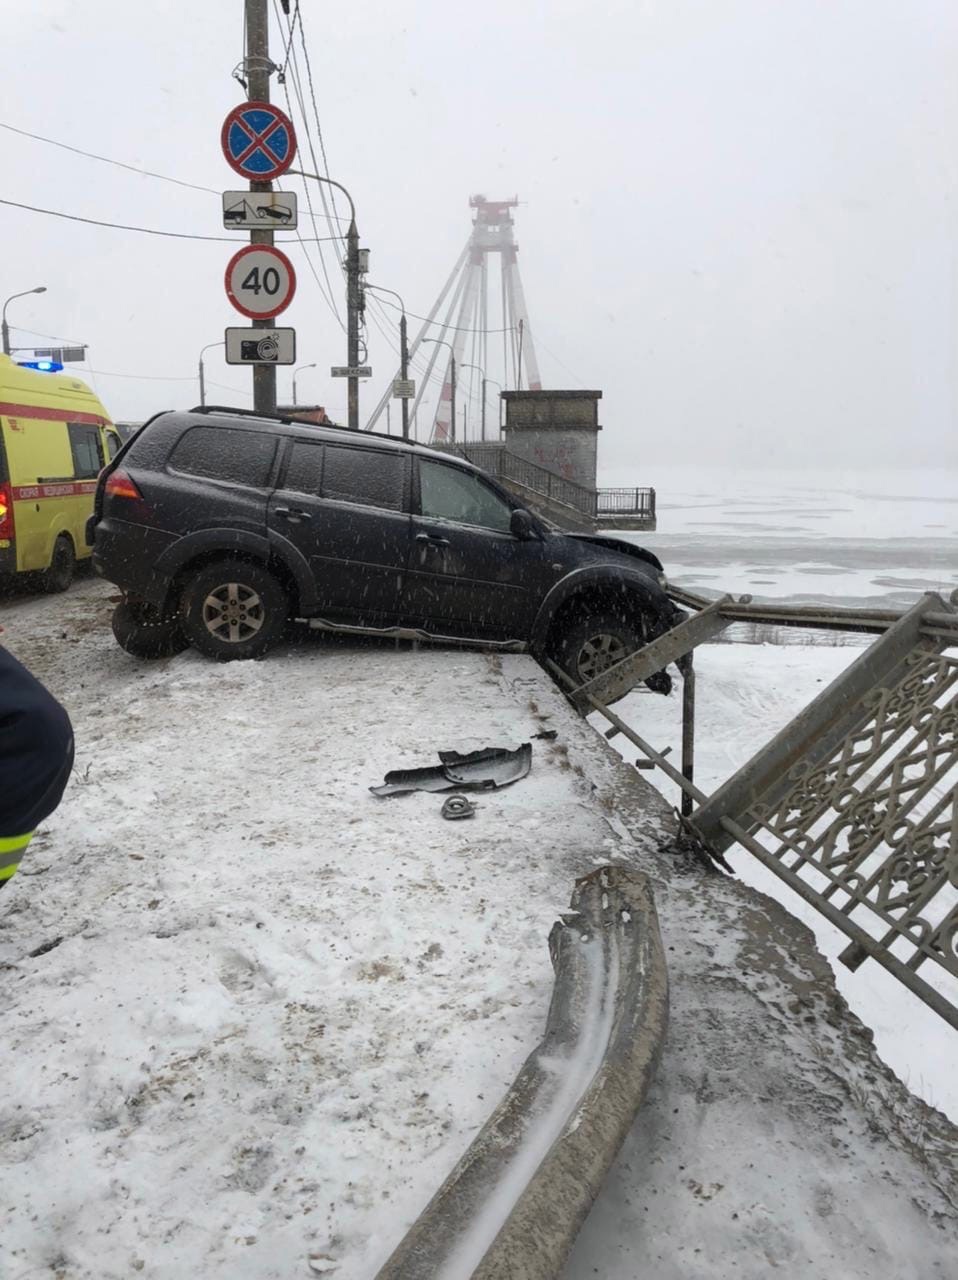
(499, 413)
(208, 347)
(403, 352)
(41, 288)
(353, 297)
(479, 369)
(299, 370)
(452, 366)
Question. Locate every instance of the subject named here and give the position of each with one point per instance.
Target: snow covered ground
(243, 999)
(253, 1015)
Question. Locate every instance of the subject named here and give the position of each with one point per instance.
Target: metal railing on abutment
(505, 465)
(626, 502)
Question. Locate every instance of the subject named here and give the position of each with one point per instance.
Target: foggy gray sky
(739, 217)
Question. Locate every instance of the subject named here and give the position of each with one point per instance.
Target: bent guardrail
(514, 1203)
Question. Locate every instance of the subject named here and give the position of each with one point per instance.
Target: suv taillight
(6, 510)
(120, 485)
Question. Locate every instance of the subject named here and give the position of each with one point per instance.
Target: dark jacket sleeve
(36, 749)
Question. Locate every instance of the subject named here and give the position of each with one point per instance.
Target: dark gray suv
(220, 526)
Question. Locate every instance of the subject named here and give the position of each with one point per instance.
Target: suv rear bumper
(125, 554)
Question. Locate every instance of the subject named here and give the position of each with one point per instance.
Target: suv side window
(368, 477)
(304, 471)
(218, 453)
(446, 493)
(86, 450)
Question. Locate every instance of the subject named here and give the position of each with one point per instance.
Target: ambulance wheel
(142, 631)
(63, 565)
(233, 609)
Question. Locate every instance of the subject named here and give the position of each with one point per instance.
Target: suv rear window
(218, 453)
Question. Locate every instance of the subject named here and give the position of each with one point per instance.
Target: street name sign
(260, 346)
(65, 355)
(258, 141)
(260, 281)
(357, 371)
(404, 388)
(259, 210)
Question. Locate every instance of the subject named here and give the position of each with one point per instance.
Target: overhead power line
(509, 328)
(149, 231)
(91, 155)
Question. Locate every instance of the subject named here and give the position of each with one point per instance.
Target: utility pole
(257, 71)
(483, 410)
(352, 316)
(404, 372)
(452, 366)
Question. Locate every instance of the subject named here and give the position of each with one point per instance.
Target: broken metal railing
(517, 1198)
(856, 800)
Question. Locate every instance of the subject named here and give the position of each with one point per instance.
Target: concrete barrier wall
(514, 1203)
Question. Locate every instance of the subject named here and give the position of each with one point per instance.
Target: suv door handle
(292, 516)
(432, 539)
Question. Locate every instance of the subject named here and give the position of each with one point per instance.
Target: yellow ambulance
(55, 438)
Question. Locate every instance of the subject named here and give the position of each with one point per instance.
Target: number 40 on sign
(260, 281)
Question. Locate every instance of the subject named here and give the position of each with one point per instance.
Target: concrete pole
(352, 310)
(484, 410)
(404, 372)
(452, 366)
(257, 78)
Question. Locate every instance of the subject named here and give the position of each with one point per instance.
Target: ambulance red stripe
(36, 411)
(69, 489)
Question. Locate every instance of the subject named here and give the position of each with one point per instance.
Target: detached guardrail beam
(513, 1206)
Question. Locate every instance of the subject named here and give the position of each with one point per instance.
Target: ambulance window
(113, 444)
(87, 451)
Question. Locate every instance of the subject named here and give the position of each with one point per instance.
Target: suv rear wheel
(233, 609)
(141, 630)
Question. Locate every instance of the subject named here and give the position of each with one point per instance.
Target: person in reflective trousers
(36, 757)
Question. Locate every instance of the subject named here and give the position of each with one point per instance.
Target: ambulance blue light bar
(44, 366)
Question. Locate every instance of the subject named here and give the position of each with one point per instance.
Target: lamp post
(300, 369)
(203, 350)
(403, 352)
(479, 369)
(353, 296)
(499, 413)
(452, 376)
(41, 288)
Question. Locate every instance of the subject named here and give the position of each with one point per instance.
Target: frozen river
(871, 538)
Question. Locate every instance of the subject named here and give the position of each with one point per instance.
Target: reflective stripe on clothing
(12, 849)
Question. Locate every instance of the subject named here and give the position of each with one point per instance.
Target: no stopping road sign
(258, 141)
(260, 281)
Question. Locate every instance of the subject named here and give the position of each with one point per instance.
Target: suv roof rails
(290, 418)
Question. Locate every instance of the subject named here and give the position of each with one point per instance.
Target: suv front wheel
(593, 644)
(233, 609)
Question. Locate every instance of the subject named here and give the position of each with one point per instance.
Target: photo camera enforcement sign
(260, 346)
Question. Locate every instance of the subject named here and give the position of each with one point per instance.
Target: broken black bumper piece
(483, 770)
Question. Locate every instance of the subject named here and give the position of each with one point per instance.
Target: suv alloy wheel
(233, 609)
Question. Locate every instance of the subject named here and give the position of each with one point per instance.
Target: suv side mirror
(521, 524)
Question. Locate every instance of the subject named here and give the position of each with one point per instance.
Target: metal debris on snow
(458, 807)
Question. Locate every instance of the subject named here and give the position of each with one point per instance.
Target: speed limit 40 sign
(260, 281)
